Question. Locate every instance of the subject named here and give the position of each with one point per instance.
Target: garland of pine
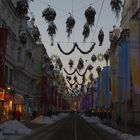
(66, 53)
(68, 72)
(74, 72)
(73, 49)
(83, 73)
(71, 83)
(76, 82)
(87, 52)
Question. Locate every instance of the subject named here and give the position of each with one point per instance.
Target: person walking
(18, 115)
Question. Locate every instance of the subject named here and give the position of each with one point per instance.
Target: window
(11, 77)
(6, 74)
(19, 54)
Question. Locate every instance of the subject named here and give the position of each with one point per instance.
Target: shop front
(18, 103)
(6, 103)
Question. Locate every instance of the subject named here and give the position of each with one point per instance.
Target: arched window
(19, 54)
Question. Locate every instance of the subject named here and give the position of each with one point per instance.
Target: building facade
(21, 74)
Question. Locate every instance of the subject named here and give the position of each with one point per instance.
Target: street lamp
(8, 88)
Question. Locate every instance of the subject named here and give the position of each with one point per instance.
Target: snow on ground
(109, 129)
(62, 115)
(1, 135)
(42, 120)
(92, 119)
(97, 122)
(14, 127)
(55, 118)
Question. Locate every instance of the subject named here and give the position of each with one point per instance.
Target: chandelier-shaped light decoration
(49, 14)
(91, 77)
(36, 33)
(116, 6)
(75, 78)
(23, 37)
(90, 15)
(98, 69)
(51, 31)
(106, 56)
(68, 78)
(84, 79)
(80, 64)
(70, 25)
(93, 58)
(89, 67)
(22, 7)
(51, 67)
(101, 37)
(86, 31)
(71, 63)
(59, 63)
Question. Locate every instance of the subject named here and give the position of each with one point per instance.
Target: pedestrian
(14, 115)
(18, 115)
(34, 114)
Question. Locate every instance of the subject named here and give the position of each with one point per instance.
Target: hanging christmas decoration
(49, 14)
(98, 69)
(22, 7)
(71, 85)
(91, 77)
(80, 64)
(70, 25)
(84, 79)
(51, 66)
(59, 63)
(90, 15)
(86, 31)
(89, 67)
(68, 72)
(51, 30)
(75, 78)
(106, 56)
(100, 57)
(23, 37)
(116, 6)
(81, 74)
(101, 37)
(93, 58)
(76, 86)
(71, 63)
(66, 53)
(76, 81)
(73, 49)
(36, 33)
(68, 77)
(86, 52)
(54, 58)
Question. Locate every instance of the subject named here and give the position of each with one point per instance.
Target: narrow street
(70, 70)
(71, 128)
